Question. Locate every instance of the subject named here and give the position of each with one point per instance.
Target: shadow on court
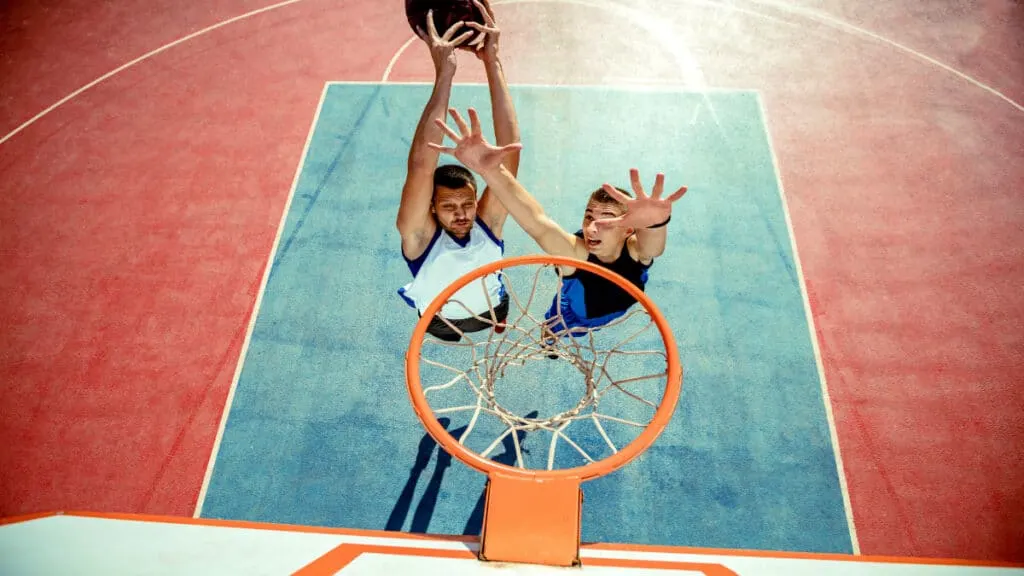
(425, 508)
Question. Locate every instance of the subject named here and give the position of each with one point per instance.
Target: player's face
(455, 209)
(605, 242)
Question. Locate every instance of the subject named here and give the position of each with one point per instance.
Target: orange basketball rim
(531, 515)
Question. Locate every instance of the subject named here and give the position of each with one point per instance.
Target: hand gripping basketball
(442, 48)
(487, 42)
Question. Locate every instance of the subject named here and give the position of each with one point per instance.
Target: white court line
(817, 16)
(843, 25)
(256, 309)
(853, 29)
(641, 87)
(840, 470)
(396, 56)
(145, 56)
(663, 33)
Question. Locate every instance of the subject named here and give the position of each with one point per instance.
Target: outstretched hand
(471, 148)
(442, 48)
(642, 211)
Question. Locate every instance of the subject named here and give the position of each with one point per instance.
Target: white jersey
(446, 260)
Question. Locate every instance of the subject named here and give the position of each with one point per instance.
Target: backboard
(109, 544)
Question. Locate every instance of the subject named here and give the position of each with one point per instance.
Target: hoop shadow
(425, 508)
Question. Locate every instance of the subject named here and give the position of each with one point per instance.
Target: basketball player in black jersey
(622, 233)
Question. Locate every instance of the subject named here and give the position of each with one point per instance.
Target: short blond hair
(603, 197)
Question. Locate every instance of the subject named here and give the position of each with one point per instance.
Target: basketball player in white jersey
(446, 231)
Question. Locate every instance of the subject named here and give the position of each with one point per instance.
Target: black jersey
(591, 300)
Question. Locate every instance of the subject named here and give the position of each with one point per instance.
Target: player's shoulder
(416, 241)
(634, 252)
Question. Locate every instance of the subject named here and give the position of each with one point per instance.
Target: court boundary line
(428, 541)
(665, 87)
(396, 56)
(139, 59)
(853, 29)
(684, 61)
(813, 333)
(812, 15)
(254, 314)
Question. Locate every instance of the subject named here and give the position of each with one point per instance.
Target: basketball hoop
(532, 513)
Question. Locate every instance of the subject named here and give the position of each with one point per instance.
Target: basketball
(446, 14)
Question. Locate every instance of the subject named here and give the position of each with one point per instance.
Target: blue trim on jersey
(415, 265)
(501, 246)
(409, 301)
(500, 243)
(574, 311)
(574, 305)
(462, 242)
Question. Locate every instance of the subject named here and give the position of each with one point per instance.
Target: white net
(537, 394)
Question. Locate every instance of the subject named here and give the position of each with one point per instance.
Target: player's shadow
(475, 523)
(425, 508)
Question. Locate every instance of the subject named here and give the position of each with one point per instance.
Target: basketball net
(532, 512)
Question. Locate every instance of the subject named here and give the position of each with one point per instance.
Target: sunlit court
(247, 326)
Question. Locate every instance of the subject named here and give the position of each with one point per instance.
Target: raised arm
(648, 215)
(506, 127)
(486, 160)
(414, 221)
(529, 214)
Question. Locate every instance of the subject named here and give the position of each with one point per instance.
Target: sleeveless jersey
(444, 261)
(589, 300)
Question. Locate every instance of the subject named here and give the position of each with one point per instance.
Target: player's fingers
(431, 27)
(463, 129)
(485, 9)
(659, 186)
(442, 149)
(481, 28)
(474, 121)
(451, 31)
(677, 194)
(609, 222)
(510, 148)
(634, 179)
(447, 130)
(615, 193)
(462, 38)
(478, 42)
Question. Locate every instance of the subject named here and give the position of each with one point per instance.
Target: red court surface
(136, 219)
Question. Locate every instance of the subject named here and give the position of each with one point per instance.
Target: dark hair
(603, 197)
(453, 176)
